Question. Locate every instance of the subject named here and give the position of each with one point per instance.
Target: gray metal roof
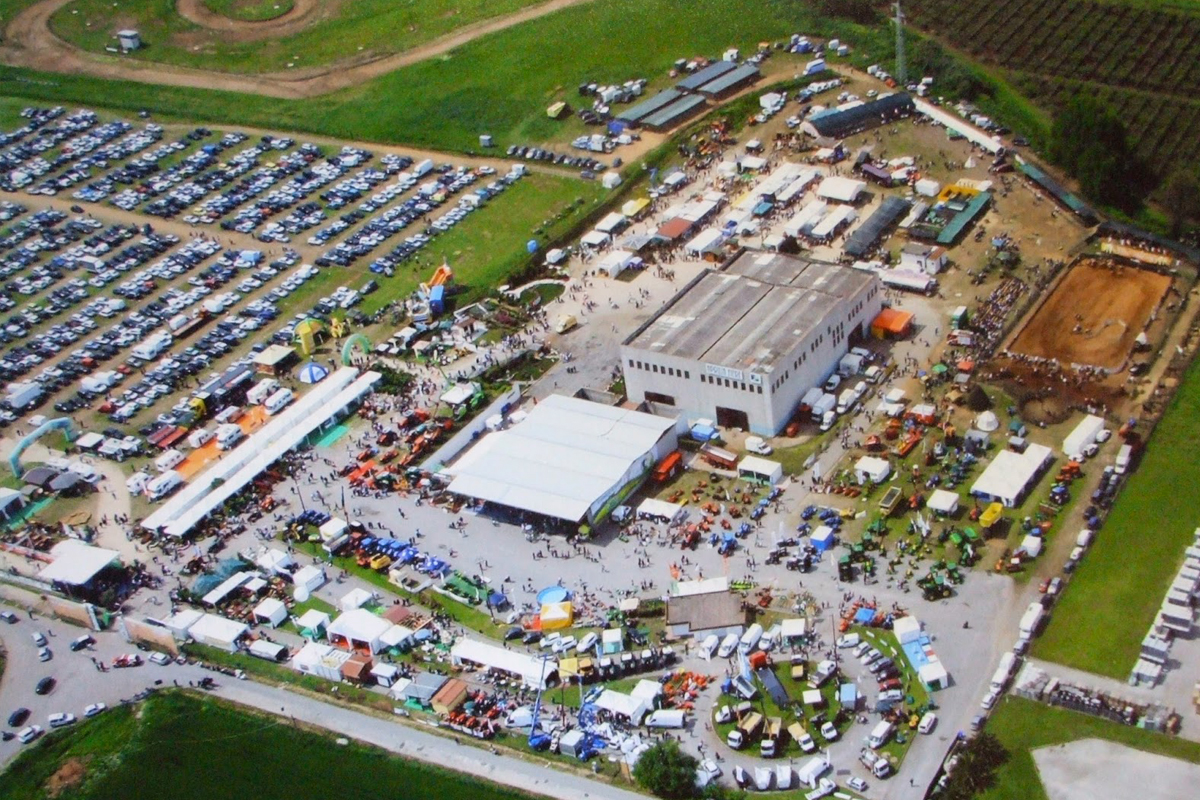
(703, 76)
(729, 79)
(752, 313)
(649, 105)
(676, 111)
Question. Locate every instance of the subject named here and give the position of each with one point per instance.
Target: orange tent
(892, 323)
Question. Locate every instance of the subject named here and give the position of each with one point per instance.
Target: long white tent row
(284, 432)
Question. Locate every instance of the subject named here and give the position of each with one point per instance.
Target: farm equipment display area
(1094, 315)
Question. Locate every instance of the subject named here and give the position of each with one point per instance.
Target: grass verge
(1110, 602)
(1025, 725)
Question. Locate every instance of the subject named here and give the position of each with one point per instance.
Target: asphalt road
(79, 684)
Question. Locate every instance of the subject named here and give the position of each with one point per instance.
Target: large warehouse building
(569, 459)
(742, 344)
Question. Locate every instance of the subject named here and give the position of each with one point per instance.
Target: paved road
(80, 684)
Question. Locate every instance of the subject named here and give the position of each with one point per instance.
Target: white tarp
(564, 459)
(76, 563)
(841, 189)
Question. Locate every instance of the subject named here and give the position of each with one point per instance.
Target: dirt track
(28, 42)
(1093, 315)
(301, 16)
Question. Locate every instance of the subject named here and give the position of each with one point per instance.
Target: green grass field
(1024, 725)
(1109, 604)
(188, 747)
(250, 10)
(356, 29)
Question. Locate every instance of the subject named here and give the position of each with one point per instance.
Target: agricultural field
(323, 33)
(1142, 58)
(1024, 725)
(181, 742)
(1112, 598)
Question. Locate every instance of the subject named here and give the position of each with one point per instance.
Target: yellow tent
(634, 207)
(556, 616)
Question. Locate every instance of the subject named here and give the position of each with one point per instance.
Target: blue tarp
(703, 433)
(864, 616)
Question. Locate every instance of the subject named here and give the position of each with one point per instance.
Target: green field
(187, 747)
(357, 29)
(1110, 602)
(1024, 725)
(250, 10)
(498, 84)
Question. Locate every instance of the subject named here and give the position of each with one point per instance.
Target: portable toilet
(485, 140)
(129, 39)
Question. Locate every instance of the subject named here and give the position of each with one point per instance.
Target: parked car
(45, 686)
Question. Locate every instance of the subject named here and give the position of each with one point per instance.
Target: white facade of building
(742, 344)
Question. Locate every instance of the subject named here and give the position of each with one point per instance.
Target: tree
(1090, 142)
(667, 771)
(975, 770)
(1181, 198)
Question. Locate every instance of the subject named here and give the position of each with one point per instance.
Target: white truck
(1124, 456)
(750, 638)
(1032, 619)
(847, 400)
(880, 734)
(23, 395)
(825, 404)
(1004, 671)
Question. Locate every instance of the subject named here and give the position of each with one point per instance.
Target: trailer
(1032, 619)
(717, 457)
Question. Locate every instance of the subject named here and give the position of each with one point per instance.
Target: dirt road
(302, 14)
(28, 42)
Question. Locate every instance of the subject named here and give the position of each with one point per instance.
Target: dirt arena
(1093, 315)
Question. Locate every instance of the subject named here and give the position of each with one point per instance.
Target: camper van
(228, 436)
(728, 645)
(1124, 455)
(163, 485)
(276, 402)
(229, 414)
(261, 391)
(750, 638)
(169, 460)
(709, 646)
(880, 734)
(200, 437)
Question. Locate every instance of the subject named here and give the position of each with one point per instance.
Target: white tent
(274, 561)
(615, 262)
(612, 223)
(76, 563)
(179, 622)
(793, 628)
(310, 578)
(623, 705)
(1031, 546)
(927, 188)
(271, 611)
(533, 672)
(595, 238)
(320, 660)
(841, 189)
(872, 469)
(709, 237)
(217, 631)
(313, 620)
(359, 629)
(761, 470)
(332, 529)
(1011, 474)
(355, 598)
(942, 502)
(987, 422)
(907, 629)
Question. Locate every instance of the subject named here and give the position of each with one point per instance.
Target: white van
(200, 437)
(587, 643)
(261, 391)
(169, 460)
(1124, 455)
(709, 646)
(927, 723)
(163, 485)
(750, 638)
(880, 734)
(728, 645)
(276, 402)
(228, 436)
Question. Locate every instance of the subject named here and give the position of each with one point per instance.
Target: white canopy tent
(872, 469)
(533, 672)
(271, 611)
(1011, 474)
(760, 470)
(594, 238)
(623, 705)
(942, 501)
(355, 598)
(217, 631)
(841, 189)
(359, 629)
(320, 660)
(75, 563)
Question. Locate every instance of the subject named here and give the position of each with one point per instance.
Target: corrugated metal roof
(665, 117)
(703, 76)
(650, 105)
(844, 123)
(729, 79)
(964, 218)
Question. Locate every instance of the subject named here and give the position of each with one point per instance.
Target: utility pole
(901, 67)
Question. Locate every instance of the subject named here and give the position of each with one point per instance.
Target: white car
(61, 719)
(44, 654)
(27, 735)
(806, 743)
(857, 784)
(724, 714)
(162, 659)
(95, 709)
(989, 700)
(39, 638)
(712, 768)
(564, 645)
(1104, 435)
(829, 732)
